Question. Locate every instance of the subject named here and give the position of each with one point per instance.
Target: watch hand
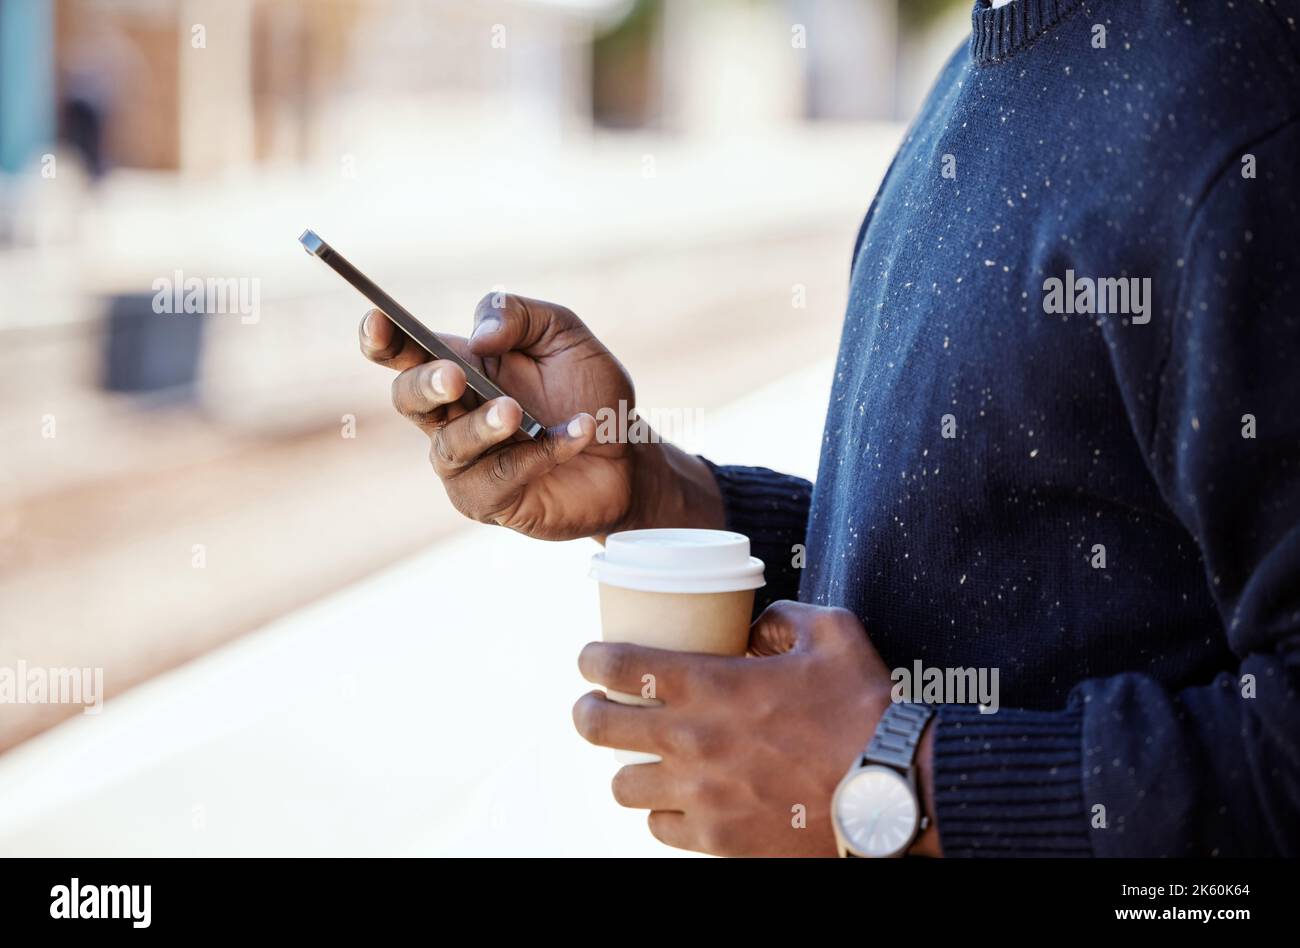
(875, 818)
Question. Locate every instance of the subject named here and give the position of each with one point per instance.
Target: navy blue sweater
(1148, 706)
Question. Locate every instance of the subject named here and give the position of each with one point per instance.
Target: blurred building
(197, 85)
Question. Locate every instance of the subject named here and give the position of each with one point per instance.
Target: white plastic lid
(678, 561)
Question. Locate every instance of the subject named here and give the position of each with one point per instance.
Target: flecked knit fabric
(1094, 493)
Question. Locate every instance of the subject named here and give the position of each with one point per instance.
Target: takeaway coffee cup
(686, 590)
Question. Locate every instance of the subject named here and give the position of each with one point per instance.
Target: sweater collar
(996, 34)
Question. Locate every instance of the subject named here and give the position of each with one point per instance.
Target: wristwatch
(876, 810)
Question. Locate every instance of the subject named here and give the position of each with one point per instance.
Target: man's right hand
(564, 484)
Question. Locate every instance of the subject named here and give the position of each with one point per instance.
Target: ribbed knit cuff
(772, 510)
(1010, 783)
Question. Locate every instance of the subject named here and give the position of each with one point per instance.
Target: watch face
(876, 811)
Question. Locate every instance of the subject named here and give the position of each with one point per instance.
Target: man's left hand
(752, 747)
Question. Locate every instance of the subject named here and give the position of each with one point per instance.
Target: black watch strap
(898, 734)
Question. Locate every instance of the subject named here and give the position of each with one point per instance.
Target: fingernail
(575, 427)
(368, 323)
(494, 416)
(486, 328)
(438, 383)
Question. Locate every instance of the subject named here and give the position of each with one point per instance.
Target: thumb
(800, 627)
(503, 321)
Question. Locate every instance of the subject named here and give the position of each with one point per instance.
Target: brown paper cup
(694, 592)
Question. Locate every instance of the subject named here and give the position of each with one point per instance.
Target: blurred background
(687, 176)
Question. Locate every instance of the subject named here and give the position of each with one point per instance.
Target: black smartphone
(423, 336)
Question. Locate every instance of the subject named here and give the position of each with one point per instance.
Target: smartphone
(422, 335)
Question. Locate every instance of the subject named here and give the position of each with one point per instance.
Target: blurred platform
(418, 712)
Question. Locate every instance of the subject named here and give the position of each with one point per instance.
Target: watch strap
(897, 735)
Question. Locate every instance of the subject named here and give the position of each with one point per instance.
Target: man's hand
(565, 484)
(745, 741)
